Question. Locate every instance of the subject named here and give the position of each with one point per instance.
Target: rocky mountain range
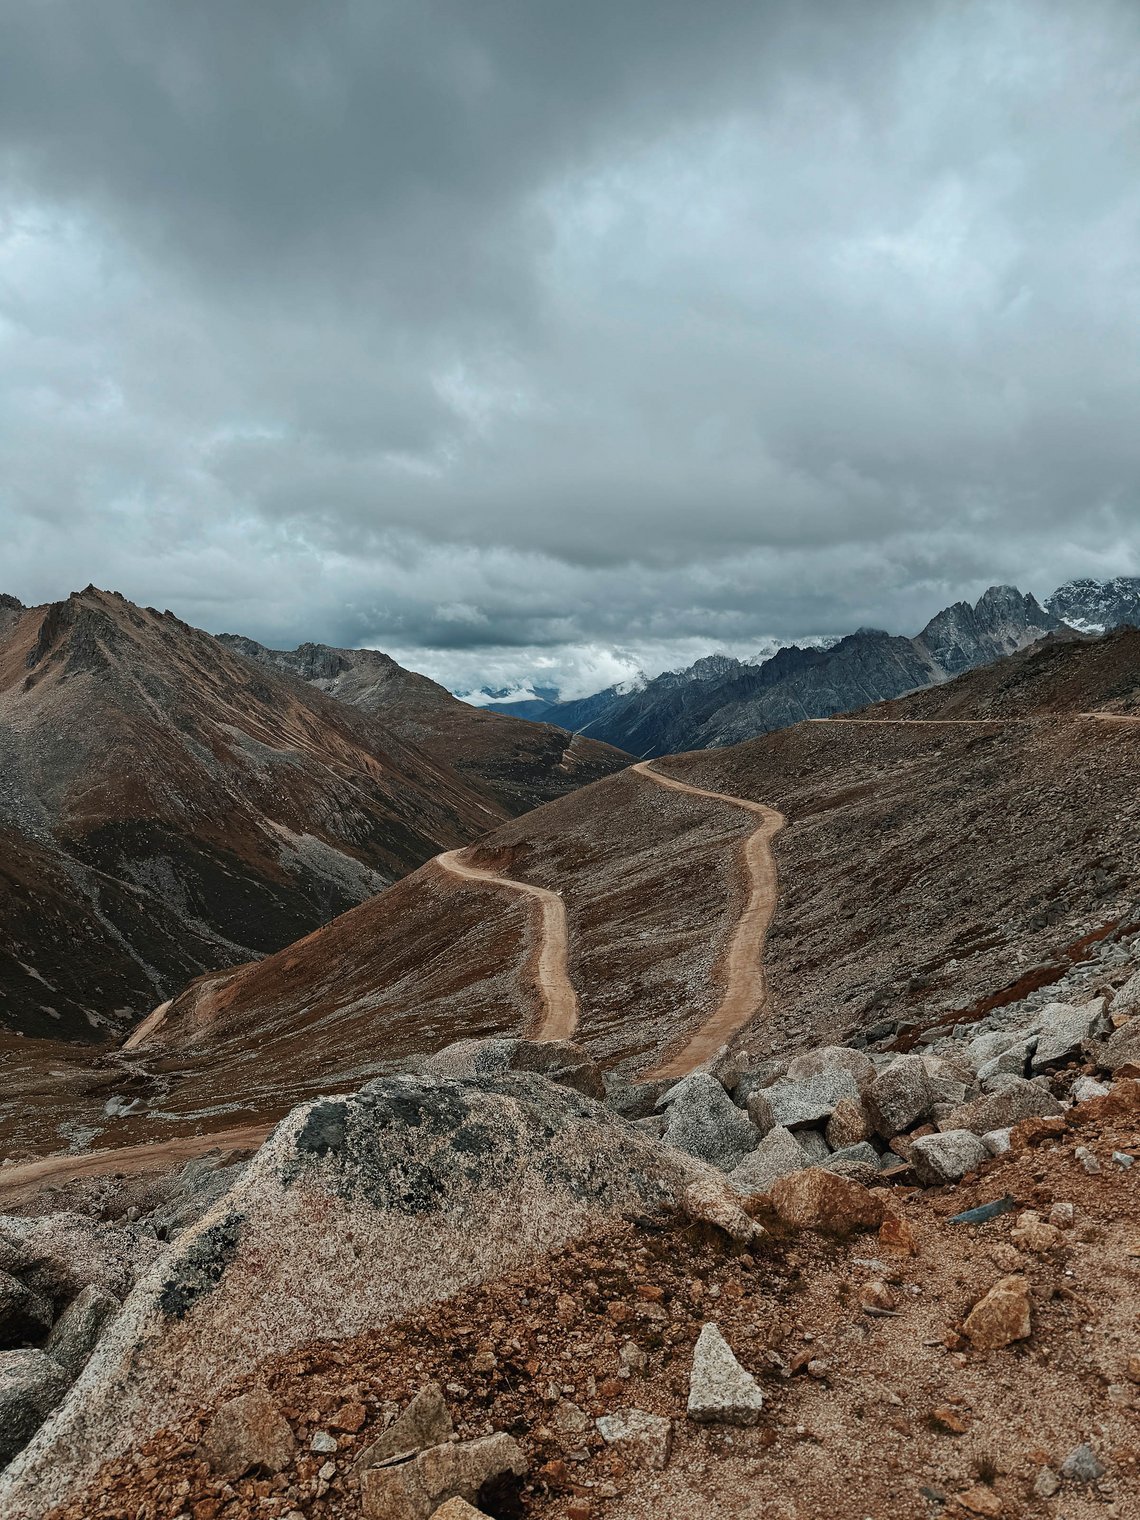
(1093, 606)
(168, 806)
(720, 700)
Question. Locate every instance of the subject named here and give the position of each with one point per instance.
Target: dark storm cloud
(520, 326)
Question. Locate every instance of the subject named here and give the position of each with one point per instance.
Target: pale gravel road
(742, 969)
(555, 989)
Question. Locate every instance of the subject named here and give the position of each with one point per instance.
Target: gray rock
(425, 1422)
(813, 1145)
(834, 1058)
(899, 1097)
(1122, 1048)
(998, 1081)
(74, 1334)
(59, 1254)
(1063, 1033)
(720, 1391)
(986, 1046)
(1127, 999)
(803, 1103)
(997, 1141)
(1082, 1465)
(777, 1155)
(753, 1080)
(1088, 1161)
(25, 1315)
(947, 1157)
(863, 1154)
(646, 1438)
(559, 1061)
(1020, 1100)
(1085, 1089)
(31, 1385)
(634, 1100)
(1011, 1062)
(704, 1122)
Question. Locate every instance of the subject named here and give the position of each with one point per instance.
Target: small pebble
(1082, 1465)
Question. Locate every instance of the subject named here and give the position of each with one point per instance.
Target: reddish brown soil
(899, 1416)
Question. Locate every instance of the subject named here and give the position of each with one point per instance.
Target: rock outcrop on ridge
(357, 1211)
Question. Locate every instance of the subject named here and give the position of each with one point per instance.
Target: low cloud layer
(532, 340)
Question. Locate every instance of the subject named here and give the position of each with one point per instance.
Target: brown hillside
(166, 806)
(521, 764)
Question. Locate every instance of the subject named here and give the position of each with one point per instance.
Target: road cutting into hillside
(157, 1156)
(745, 988)
(552, 978)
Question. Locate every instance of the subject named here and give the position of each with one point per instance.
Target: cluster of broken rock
(931, 1116)
(489, 1153)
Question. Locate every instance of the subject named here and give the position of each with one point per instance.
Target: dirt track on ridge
(560, 1001)
(743, 964)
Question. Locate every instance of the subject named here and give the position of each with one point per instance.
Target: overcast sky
(520, 337)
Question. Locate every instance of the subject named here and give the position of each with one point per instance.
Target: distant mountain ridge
(522, 765)
(722, 700)
(1094, 606)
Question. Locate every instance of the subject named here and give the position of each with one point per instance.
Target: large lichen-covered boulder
(356, 1211)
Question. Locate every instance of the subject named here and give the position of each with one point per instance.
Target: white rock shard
(720, 1391)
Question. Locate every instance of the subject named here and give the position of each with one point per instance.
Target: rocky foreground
(860, 1281)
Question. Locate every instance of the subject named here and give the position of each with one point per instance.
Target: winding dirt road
(559, 1000)
(745, 989)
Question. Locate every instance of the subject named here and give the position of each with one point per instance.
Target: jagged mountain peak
(1093, 606)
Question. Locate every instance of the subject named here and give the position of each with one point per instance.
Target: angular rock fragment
(834, 1058)
(804, 1103)
(645, 1438)
(816, 1199)
(1063, 1032)
(1082, 1465)
(948, 1156)
(899, 1097)
(777, 1155)
(1122, 1048)
(706, 1123)
(559, 1060)
(996, 1141)
(720, 1390)
(711, 1201)
(1000, 1110)
(415, 1489)
(246, 1433)
(849, 1124)
(425, 1422)
(1001, 1317)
